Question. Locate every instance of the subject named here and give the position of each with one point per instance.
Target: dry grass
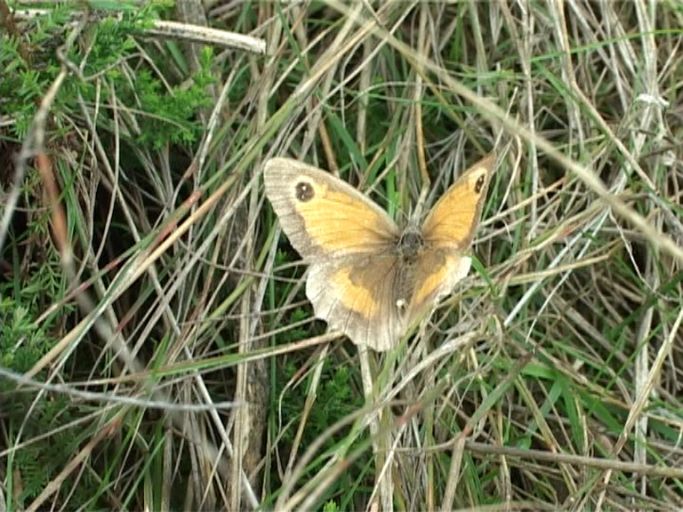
(551, 378)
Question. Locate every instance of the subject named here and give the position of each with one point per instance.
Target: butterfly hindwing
(356, 295)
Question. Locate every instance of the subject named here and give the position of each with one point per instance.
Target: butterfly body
(368, 278)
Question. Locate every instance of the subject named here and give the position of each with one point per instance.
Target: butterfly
(367, 277)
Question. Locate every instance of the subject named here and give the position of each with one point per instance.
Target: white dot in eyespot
(479, 183)
(304, 191)
(401, 303)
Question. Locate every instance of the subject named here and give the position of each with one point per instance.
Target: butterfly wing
(322, 216)
(355, 295)
(453, 219)
(436, 273)
(447, 232)
(349, 243)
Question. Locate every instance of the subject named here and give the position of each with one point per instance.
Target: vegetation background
(156, 348)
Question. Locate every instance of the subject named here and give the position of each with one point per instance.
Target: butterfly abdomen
(409, 248)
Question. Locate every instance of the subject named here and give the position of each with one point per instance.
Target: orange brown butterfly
(368, 278)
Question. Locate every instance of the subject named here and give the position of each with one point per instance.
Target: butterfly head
(410, 244)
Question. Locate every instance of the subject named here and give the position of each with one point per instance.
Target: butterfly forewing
(323, 216)
(454, 218)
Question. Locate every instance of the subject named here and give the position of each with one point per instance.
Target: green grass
(155, 270)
